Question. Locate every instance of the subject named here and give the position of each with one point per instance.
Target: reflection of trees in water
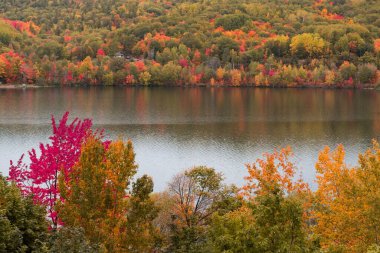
(232, 135)
(123, 105)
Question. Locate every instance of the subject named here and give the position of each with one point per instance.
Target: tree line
(78, 193)
(204, 42)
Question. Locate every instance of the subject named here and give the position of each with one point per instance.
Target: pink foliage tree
(39, 178)
(100, 52)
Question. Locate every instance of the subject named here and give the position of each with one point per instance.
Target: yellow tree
(145, 77)
(368, 175)
(331, 213)
(220, 74)
(308, 45)
(279, 204)
(235, 77)
(94, 195)
(86, 69)
(347, 200)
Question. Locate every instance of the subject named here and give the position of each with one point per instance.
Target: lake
(176, 128)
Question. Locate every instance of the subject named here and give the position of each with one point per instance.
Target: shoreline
(333, 87)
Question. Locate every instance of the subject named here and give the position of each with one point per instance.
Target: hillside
(229, 42)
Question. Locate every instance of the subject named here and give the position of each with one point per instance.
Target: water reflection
(175, 128)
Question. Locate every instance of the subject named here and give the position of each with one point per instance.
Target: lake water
(176, 128)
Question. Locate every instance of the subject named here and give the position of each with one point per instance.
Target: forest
(268, 43)
(79, 193)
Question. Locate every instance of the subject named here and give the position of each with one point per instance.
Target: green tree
(232, 21)
(367, 73)
(169, 74)
(52, 49)
(279, 223)
(351, 43)
(278, 46)
(72, 240)
(272, 224)
(141, 213)
(232, 232)
(23, 227)
(225, 45)
(348, 70)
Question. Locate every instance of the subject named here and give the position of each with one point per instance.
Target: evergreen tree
(23, 227)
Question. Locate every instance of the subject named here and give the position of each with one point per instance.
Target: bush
(347, 70)
(367, 73)
(231, 21)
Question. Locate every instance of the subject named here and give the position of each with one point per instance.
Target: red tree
(40, 177)
(100, 52)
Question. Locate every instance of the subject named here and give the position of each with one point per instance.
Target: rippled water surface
(176, 128)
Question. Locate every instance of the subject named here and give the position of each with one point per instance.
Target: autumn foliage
(29, 27)
(275, 171)
(11, 66)
(84, 184)
(39, 178)
(347, 213)
(93, 194)
(264, 43)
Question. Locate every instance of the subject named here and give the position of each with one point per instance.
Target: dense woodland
(79, 193)
(195, 42)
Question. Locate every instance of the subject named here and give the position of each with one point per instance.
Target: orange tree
(279, 203)
(94, 196)
(274, 212)
(347, 200)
